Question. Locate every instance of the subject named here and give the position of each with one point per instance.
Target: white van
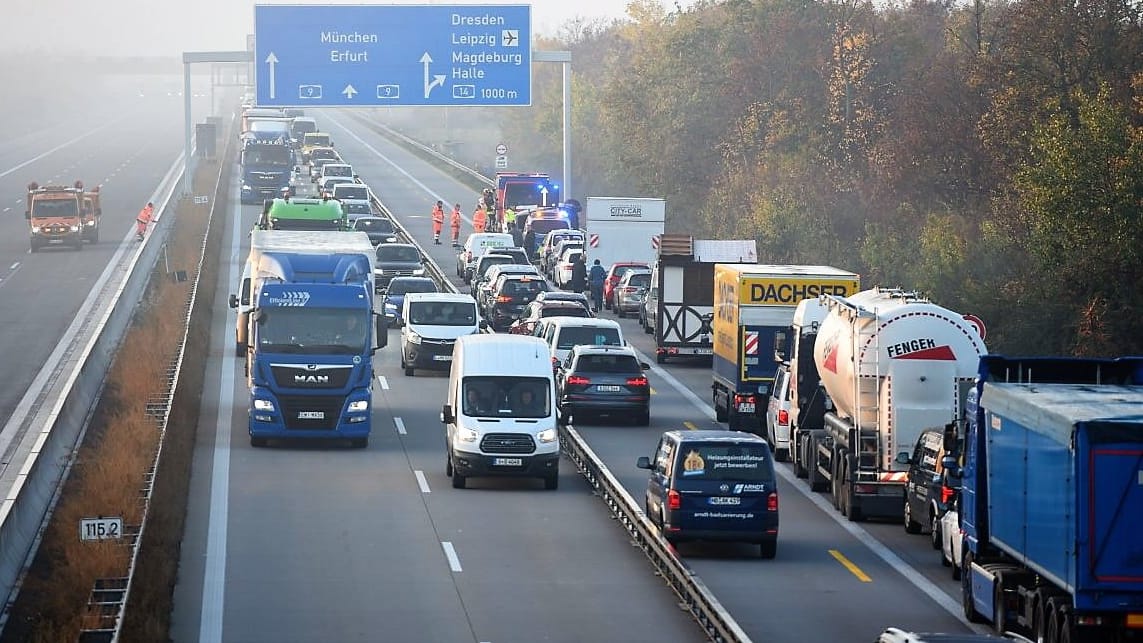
(562, 333)
(430, 324)
(477, 244)
(500, 411)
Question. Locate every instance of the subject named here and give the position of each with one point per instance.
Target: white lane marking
(6, 209)
(383, 382)
(400, 425)
(422, 482)
(876, 546)
(214, 572)
(394, 165)
(450, 554)
(14, 266)
(57, 148)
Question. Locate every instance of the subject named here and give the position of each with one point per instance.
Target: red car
(613, 276)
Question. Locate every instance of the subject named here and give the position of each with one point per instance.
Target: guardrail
(41, 438)
(698, 600)
(434, 271)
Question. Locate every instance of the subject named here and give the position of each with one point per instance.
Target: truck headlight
(547, 436)
(418, 272)
(263, 405)
(358, 406)
(414, 338)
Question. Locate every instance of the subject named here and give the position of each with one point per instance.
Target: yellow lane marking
(654, 392)
(690, 426)
(853, 569)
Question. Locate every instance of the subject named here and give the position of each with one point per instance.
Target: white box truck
(623, 229)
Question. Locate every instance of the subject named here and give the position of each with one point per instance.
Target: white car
(778, 415)
(952, 542)
(563, 268)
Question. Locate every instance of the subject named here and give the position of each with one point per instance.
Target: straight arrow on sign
(349, 91)
(272, 60)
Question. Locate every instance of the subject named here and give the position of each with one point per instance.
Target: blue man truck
(1052, 498)
(267, 168)
(313, 333)
(753, 302)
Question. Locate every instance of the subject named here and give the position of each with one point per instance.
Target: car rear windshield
(563, 311)
(402, 286)
(716, 461)
(607, 364)
(587, 335)
(359, 192)
(338, 170)
(373, 225)
(521, 288)
(642, 280)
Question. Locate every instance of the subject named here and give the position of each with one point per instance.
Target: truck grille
(311, 412)
(300, 376)
(507, 443)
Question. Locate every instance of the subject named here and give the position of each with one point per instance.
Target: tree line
(987, 153)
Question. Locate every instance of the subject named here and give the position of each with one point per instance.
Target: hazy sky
(169, 27)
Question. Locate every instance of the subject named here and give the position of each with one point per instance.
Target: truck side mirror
(381, 329)
(27, 214)
(447, 415)
(780, 346)
(903, 458)
(643, 462)
(234, 301)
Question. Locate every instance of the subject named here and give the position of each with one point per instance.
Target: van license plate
(442, 358)
(311, 415)
(724, 500)
(704, 351)
(746, 407)
(608, 388)
(507, 462)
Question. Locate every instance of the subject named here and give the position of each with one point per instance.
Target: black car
(379, 229)
(491, 258)
(603, 380)
(394, 295)
(397, 260)
(509, 295)
(482, 290)
(713, 486)
(928, 492)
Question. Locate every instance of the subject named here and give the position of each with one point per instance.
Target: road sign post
(378, 55)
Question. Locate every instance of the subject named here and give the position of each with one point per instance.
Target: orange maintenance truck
(92, 213)
(55, 213)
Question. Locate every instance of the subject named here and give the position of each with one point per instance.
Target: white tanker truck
(893, 364)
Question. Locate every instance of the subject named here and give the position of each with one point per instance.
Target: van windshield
(715, 461)
(442, 313)
(571, 336)
(506, 396)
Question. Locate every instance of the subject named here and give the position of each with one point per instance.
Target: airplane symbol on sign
(509, 37)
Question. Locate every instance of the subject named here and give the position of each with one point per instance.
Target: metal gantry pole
(187, 129)
(567, 128)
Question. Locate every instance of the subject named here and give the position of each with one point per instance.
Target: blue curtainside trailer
(1052, 498)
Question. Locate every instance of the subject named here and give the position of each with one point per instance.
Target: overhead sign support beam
(191, 58)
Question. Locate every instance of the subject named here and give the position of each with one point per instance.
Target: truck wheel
(458, 481)
(855, 514)
(448, 466)
(967, 601)
(359, 443)
(814, 477)
(1000, 614)
(409, 370)
(911, 526)
(720, 411)
(797, 445)
(257, 442)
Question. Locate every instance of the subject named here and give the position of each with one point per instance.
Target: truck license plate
(311, 415)
(703, 351)
(507, 462)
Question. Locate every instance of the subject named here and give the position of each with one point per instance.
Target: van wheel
(552, 482)
(782, 455)
(769, 549)
(934, 529)
(911, 526)
(458, 481)
(448, 466)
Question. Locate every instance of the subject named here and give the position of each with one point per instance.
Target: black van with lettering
(714, 486)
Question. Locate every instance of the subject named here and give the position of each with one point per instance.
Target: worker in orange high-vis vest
(438, 222)
(454, 223)
(479, 218)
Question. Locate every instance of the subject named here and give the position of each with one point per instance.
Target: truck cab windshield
(277, 155)
(54, 208)
(312, 331)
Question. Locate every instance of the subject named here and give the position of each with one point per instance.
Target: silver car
(630, 290)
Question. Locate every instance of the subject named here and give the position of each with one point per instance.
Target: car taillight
(637, 381)
(578, 380)
(947, 494)
(743, 399)
(783, 417)
(503, 299)
(772, 501)
(673, 500)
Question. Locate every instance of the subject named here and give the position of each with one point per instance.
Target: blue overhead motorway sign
(370, 55)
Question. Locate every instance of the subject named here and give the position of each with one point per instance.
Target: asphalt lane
(304, 543)
(832, 580)
(115, 139)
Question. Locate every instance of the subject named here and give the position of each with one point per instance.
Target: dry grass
(119, 449)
